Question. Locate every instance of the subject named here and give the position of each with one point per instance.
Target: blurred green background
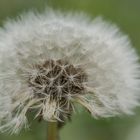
(124, 13)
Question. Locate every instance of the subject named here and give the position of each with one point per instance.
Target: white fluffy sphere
(70, 47)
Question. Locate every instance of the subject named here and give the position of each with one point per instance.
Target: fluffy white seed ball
(50, 61)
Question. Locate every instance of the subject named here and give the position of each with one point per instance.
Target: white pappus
(51, 60)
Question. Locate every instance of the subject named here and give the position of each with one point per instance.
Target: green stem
(52, 131)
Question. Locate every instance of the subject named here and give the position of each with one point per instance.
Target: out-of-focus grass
(124, 13)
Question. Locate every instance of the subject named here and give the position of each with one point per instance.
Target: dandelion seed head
(50, 61)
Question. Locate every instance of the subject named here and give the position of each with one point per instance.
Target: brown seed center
(58, 79)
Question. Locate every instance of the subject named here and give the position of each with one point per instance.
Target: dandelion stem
(52, 131)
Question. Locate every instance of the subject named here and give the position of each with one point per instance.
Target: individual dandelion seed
(50, 61)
